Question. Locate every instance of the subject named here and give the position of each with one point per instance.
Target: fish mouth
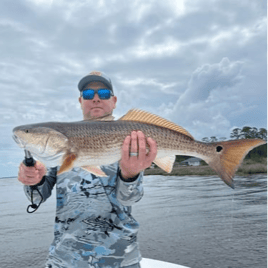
(18, 141)
(23, 144)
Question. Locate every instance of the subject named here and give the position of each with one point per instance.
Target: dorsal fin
(145, 117)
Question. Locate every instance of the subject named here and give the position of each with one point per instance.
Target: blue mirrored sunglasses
(103, 93)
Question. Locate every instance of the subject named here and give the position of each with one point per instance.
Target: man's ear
(80, 100)
(115, 100)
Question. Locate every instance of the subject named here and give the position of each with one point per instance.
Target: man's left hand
(131, 166)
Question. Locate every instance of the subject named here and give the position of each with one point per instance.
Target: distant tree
(213, 139)
(236, 134)
(262, 134)
(249, 133)
(254, 133)
(246, 132)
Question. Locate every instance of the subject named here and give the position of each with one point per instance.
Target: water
(192, 221)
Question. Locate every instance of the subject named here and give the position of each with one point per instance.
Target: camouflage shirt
(93, 225)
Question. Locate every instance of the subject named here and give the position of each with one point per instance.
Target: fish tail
(229, 156)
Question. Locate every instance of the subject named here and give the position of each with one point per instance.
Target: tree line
(244, 133)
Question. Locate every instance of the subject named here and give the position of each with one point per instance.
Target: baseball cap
(95, 76)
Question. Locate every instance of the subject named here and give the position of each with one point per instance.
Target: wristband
(39, 183)
(129, 179)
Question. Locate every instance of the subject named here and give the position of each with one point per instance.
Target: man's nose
(96, 98)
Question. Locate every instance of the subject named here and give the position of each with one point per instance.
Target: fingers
(125, 148)
(31, 175)
(137, 144)
(134, 142)
(130, 144)
(40, 168)
(27, 175)
(28, 172)
(153, 149)
(142, 146)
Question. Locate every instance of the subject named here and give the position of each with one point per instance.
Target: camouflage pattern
(93, 225)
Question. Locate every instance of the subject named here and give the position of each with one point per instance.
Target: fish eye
(219, 148)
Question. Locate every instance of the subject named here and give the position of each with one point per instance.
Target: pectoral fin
(165, 163)
(96, 170)
(67, 164)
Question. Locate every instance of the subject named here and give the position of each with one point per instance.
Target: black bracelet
(129, 179)
(39, 183)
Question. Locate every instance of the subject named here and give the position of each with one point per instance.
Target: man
(93, 225)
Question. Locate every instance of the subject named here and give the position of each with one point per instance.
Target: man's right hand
(31, 175)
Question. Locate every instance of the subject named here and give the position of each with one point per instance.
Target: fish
(90, 144)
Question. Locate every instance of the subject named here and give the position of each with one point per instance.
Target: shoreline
(248, 167)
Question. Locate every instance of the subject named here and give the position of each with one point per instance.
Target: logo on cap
(95, 73)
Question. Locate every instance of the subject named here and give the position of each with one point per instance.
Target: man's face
(96, 107)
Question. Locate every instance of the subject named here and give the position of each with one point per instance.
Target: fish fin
(145, 117)
(165, 163)
(231, 154)
(67, 164)
(96, 170)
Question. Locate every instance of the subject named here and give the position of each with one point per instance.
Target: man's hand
(131, 166)
(31, 175)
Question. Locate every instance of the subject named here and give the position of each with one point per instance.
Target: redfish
(90, 144)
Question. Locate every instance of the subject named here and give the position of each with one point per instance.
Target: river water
(192, 221)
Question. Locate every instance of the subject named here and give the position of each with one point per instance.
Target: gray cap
(95, 76)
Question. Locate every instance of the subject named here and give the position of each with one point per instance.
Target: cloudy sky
(198, 63)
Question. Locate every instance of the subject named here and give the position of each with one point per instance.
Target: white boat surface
(150, 263)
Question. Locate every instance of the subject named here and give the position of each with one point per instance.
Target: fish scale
(98, 137)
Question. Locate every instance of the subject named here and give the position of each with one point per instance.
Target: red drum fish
(90, 144)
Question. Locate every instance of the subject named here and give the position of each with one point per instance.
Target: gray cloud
(208, 99)
(209, 78)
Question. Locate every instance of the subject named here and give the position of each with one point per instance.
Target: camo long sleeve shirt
(93, 225)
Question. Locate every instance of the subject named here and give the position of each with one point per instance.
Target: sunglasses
(103, 93)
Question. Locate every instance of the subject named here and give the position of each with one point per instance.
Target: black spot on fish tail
(219, 148)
